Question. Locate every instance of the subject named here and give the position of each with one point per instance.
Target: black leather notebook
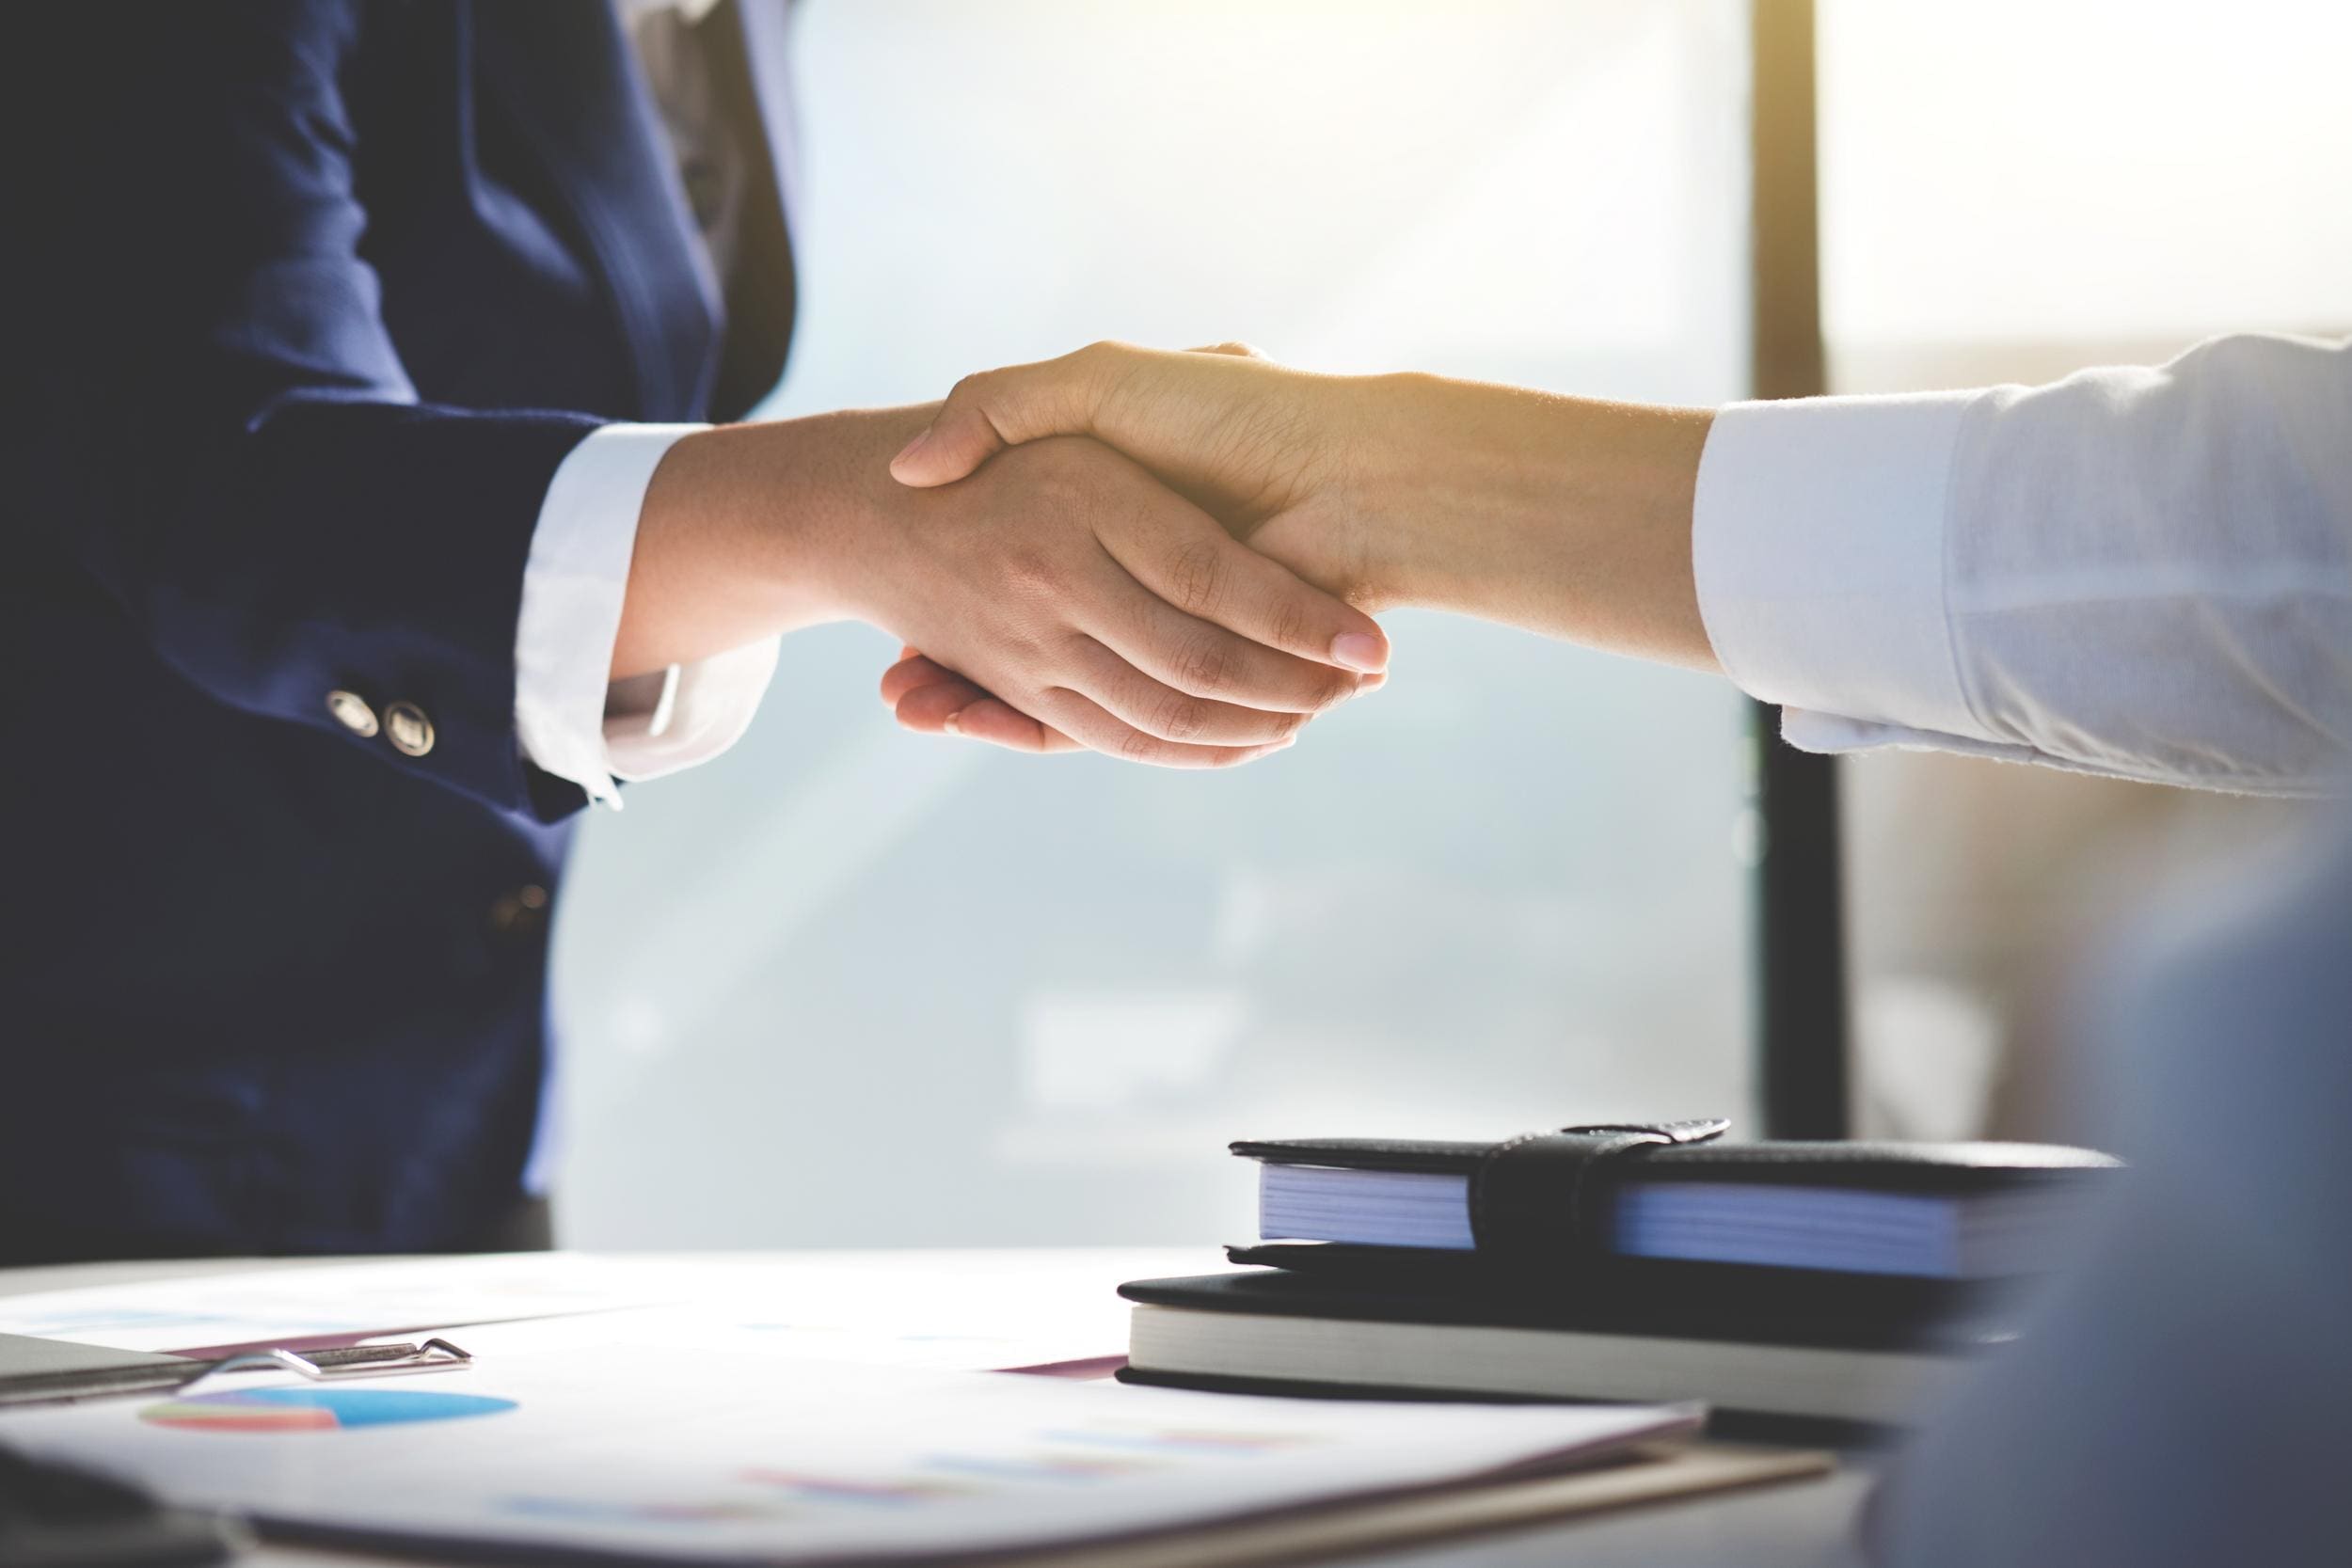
(1755, 1343)
(1754, 1306)
(1675, 1190)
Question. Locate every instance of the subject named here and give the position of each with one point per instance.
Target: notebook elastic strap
(1534, 1201)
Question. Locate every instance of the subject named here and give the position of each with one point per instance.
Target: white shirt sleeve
(572, 722)
(2140, 572)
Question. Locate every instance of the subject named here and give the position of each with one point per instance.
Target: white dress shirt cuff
(572, 720)
(688, 714)
(1818, 540)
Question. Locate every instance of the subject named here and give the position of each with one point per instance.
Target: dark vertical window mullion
(1799, 933)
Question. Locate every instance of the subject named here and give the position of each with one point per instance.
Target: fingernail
(1360, 651)
(912, 447)
(953, 724)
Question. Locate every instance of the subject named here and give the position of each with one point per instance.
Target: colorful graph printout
(317, 1409)
(763, 1456)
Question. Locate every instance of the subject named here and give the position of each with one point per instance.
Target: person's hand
(1255, 441)
(1263, 445)
(1088, 598)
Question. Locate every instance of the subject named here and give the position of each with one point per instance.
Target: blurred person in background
(2145, 574)
(366, 528)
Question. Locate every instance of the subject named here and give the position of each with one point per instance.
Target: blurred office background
(853, 986)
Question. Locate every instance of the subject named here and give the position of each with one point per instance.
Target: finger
(1164, 410)
(1134, 698)
(1208, 662)
(984, 414)
(1085, 722)
(932, 699)
(937, 707)
(1205, 660)
(1000, 723)
(913, 670)
(933, 709)
(1237, 349)
(1179, 553)
(959, 708)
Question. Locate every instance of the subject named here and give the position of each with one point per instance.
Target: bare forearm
(1564, 515)
(753, 529)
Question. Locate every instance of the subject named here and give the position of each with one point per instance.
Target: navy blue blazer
(309, 301)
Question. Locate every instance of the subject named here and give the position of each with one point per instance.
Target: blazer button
(521, 912)
(410, 730)
(352, 712)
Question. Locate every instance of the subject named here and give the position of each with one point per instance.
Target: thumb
(986, 413)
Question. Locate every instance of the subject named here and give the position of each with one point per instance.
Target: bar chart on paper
(282, 1410)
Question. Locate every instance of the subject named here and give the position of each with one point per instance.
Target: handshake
(1237, 528)
(1172, 558)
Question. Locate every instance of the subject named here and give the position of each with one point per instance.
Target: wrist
(1415, 470)
(1566, 516)
(833, 533)
(1357, 519)
(752, 530)
(1442, 481)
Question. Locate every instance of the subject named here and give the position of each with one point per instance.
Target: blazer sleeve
(227, 441)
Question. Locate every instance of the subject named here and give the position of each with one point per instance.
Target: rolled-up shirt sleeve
(572, 720)
(2143, 573)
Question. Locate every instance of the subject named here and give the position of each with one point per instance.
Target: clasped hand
(1228, 429)
(1104, 607)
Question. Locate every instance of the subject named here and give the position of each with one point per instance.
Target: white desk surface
(1808, 1522)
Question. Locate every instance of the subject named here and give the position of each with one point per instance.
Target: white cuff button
(410, 731)
(352, 712)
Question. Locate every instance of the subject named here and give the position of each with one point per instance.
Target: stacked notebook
(1841, 1280)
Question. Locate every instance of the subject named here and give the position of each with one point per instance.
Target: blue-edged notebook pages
(1927, 1235)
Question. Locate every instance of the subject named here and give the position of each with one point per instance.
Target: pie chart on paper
(317, 1409)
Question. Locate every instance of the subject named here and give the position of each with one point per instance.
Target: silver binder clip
(326, 1366)
(162, 1374)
